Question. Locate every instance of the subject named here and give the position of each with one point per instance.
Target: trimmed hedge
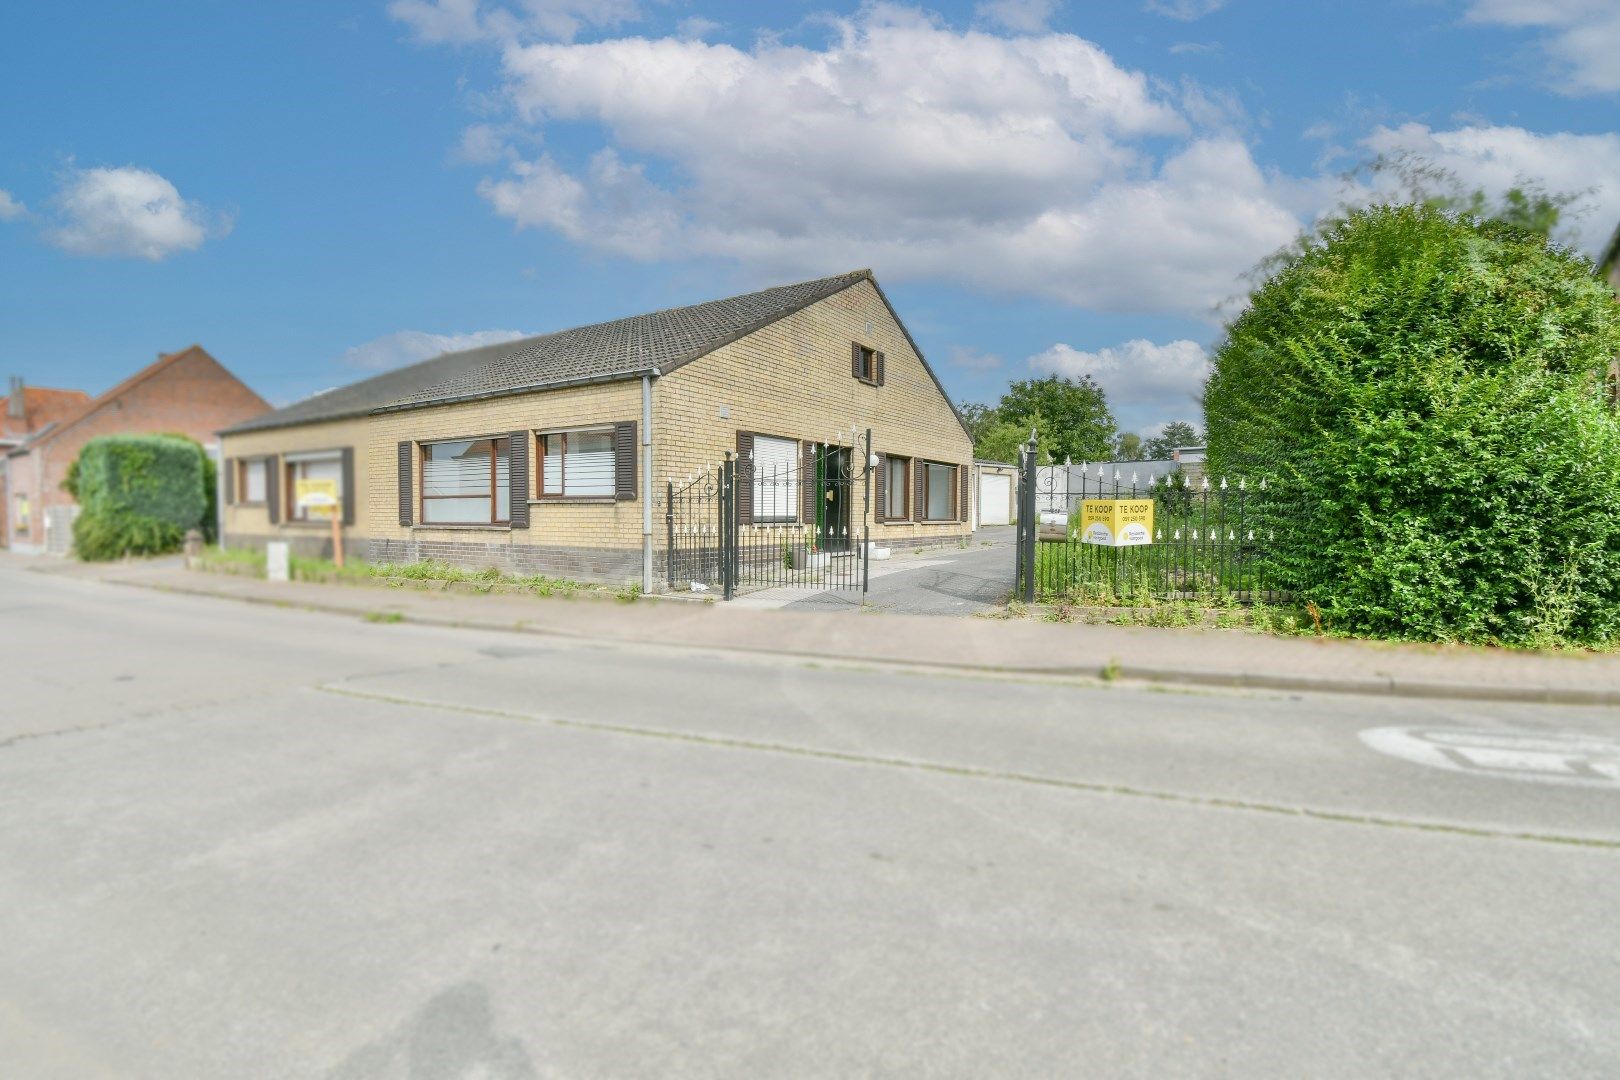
(137, 494)
(1432, 387)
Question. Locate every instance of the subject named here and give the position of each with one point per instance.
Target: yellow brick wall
(590, 524)
(254, 521)
(792, 379)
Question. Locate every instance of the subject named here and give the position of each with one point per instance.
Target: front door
(833, 477)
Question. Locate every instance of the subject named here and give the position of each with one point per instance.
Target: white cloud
(1581, 36)
(1023, 16)
(10, 208)
(129, 212)
(1498, 158)
(408, 346)
(1184, 10)
(1013, 162)
(1195, 48)
(462, 22)
(1144, 381)
(1026, 163)
(481, 144)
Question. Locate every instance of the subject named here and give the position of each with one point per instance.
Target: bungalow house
(550, 454)
(182, 393)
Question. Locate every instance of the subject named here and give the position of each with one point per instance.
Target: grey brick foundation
(612, 566)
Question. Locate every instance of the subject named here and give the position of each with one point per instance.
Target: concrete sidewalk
(1224, 658)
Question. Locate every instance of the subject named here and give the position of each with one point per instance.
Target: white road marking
(1545, 758)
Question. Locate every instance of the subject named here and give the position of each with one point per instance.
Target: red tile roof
(44, 405)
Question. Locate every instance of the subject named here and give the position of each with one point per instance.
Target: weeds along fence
(1211, 539)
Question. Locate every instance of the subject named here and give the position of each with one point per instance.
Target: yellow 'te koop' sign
(1116, 522)
(317, 496)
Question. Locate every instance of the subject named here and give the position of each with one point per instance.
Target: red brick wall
(189, 393)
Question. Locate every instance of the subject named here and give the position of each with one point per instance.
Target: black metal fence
(744, 525)
(1209, 538)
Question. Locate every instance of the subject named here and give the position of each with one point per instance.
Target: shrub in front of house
(137, 495)
(1430, 391)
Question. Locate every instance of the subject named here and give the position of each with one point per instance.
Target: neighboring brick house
(185, 393)
(535, 460)
(26, 411)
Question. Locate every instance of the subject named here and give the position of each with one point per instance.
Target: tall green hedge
(137, 494)
(1431, 388)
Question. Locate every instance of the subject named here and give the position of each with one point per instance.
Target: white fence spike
(1223, 483)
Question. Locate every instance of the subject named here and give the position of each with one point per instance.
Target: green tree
(1413, 180)
(976, 417)
(1426, 389)
(1004, 440)
(1128, 447)
(1077, 424)
(1175, 434)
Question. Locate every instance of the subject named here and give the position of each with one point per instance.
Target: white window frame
(779, 505)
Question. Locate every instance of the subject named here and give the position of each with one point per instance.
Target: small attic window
(866, 364)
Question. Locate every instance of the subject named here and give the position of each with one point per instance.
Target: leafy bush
(1432, 386)
(138, 494)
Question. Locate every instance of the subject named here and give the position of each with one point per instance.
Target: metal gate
(743, 524)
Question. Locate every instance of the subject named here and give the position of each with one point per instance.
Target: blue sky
(315, 190)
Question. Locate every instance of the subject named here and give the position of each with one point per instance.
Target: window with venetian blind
(466, 482)
(577, 464)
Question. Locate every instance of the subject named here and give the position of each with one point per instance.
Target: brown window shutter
(878, 364)
(407, 502)
(880, 487)
(272, 488)
(809, 490)
(517, 479)
(230, 481)
(918, 469)
(855, 360)
(624, 460)
(961, 493)
(744, 477)
(346, 464)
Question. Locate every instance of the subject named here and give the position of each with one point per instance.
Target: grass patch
(389, 617)
(251, 563)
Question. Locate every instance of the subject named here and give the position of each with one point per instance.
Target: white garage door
(995, 499)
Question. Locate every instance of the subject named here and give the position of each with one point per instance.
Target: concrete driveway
(944, 581)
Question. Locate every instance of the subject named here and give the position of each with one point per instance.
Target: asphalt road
(247, 842)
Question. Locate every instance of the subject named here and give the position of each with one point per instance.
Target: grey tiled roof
(358, 399)
(623, 347)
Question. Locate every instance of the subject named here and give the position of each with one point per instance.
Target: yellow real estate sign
(317, 496)
(1116, 522)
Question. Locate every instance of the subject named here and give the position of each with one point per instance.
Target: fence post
(669, 531)
(866, 514)
(728, 528)
(1030, 521)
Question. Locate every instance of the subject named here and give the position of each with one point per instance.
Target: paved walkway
(1187, 656)
(939, 581)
